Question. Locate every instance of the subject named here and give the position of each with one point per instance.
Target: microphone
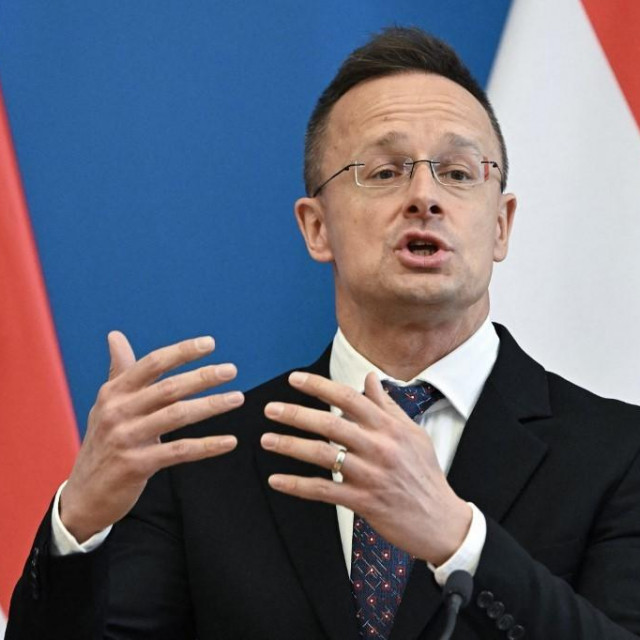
(456, 595)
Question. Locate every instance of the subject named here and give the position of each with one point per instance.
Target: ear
(504, 224)
(311, 222)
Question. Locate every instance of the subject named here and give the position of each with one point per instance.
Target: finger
(174, 388)
(374, 390)
(316, 452)
(120, 352)
(315, 489)
(180, 414)
(324, 423)
(168, 454)
(158, 362)
(351, 402)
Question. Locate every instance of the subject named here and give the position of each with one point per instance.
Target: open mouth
(420, 248)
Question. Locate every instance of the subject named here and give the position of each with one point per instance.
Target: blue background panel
(160, 145)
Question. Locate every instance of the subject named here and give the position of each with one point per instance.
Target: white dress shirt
(460, 377)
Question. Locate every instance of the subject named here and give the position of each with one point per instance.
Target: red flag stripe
(616, 23)
(38, 435)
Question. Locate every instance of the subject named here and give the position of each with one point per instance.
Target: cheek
(351, 234)
(483, 242)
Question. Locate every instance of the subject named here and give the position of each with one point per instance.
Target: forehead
(414, 108)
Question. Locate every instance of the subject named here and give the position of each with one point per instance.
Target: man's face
(421, 250)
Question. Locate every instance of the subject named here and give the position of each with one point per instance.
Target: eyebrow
(458, 141)
(392, 138)
(389, 139)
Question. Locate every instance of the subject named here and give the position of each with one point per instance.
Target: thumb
(120, 352)
(374, 391)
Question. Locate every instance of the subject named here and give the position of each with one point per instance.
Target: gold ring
(340, 456)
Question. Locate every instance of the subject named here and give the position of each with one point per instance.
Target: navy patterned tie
(379, 571)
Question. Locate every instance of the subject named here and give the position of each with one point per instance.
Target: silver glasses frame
(410, 161)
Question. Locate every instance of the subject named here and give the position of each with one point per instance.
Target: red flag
(616, 24)
(38, 435)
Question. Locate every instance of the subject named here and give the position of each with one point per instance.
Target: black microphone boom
(456, 594)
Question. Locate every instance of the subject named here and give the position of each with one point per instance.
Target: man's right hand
(122, 447)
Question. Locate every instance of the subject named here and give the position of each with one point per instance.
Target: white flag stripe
(571, 287)
(3, 624)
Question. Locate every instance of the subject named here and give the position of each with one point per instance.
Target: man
(506, 471)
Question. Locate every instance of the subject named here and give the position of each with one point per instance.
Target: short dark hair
(394, 50)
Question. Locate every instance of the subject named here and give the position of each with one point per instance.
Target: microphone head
(459, 583)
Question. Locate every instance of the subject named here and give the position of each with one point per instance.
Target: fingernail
(277, 482)
(234, 398)
(297, 378)
(269, 440)
(227, 442)
(274, 409)
(205, 343)
(227, 371)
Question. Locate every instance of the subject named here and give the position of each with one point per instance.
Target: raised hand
(122, 447)
(391, 475)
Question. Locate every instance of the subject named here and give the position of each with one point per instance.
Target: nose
(423, 191)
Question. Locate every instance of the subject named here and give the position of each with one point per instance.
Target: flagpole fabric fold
(38, 433)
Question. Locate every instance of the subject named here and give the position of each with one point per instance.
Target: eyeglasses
(457, 170)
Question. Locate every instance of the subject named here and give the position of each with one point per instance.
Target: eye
(385, 172)
(456, 173)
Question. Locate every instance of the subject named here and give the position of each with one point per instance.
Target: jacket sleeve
(134, 585)
(596, 595)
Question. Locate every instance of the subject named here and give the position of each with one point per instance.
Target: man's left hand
(391, 474)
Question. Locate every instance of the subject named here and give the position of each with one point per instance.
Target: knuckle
(179, 449)
(104, 393)
(122, 439)
(217, 403)
(390, 455)
(382, 450)
(333, 426)
(177, 413)
(207, 374)
(155, 362)
(322, 490)
(186, 349)
(319, 450)
(367, 477)
(167, 388)
(349, 395)
(285, 444)
(110, 414)
(389, 401)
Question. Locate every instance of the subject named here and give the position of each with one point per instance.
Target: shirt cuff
(467, 557)
(63, 543)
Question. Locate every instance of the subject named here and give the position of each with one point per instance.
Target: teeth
(422, 248)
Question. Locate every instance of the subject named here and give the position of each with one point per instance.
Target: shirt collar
(460, 375)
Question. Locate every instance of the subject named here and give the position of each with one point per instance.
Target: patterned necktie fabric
(380, 571)
(414, 399)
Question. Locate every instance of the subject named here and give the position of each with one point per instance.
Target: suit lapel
(310, 531)
(496, 457)
(499, 451)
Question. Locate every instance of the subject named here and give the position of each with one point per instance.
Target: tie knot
(414, 399)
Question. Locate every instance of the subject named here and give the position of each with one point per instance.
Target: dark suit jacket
(210, 551)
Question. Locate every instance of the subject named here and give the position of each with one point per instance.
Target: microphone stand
(456, 594)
